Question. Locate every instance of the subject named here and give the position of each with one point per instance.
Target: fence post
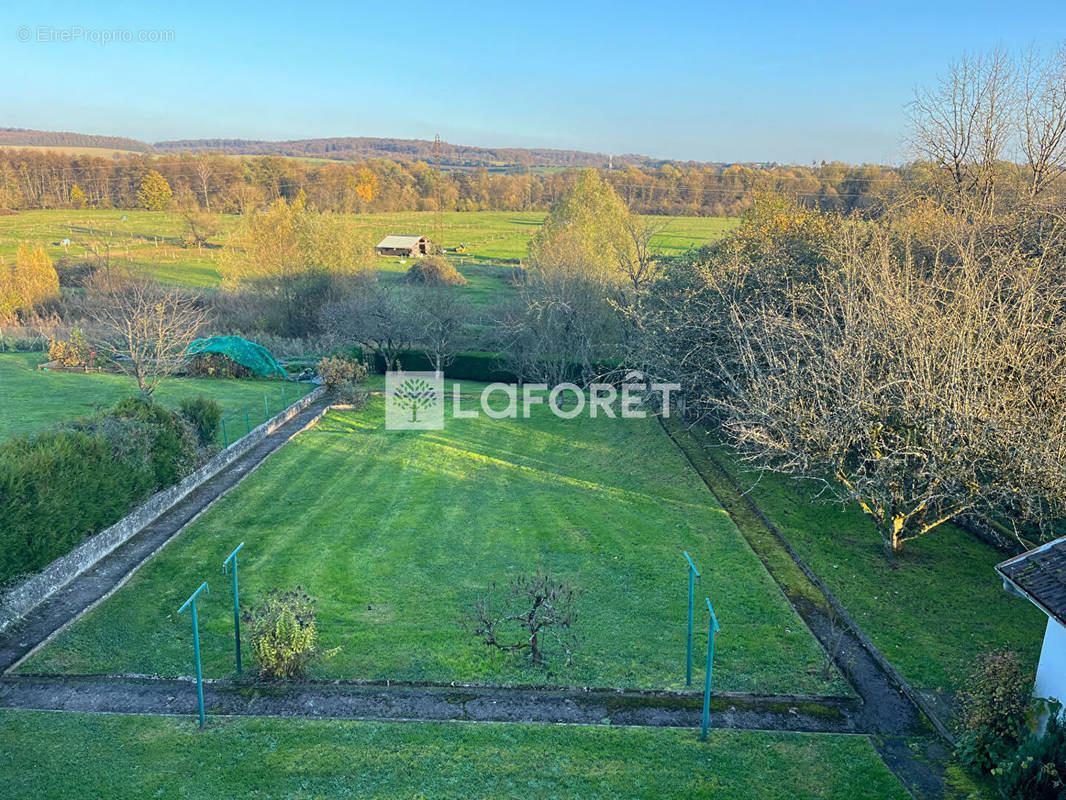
(247, 421)
(266, 408)
(225, 438)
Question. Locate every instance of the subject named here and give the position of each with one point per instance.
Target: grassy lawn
(49, 755)
(396, 533)
(151, 240)
(32, 399)
(930, 611)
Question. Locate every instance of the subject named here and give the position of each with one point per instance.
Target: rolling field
(49, 755)
(397, 533)
(32, 399)
(151, 240)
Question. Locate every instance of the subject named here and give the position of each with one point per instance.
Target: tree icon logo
(414, 401)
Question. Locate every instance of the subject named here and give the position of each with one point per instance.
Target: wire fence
(240, 421)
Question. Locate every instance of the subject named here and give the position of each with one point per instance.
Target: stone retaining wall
(21, 599)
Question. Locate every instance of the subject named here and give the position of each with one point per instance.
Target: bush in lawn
(60, 486)
(532, 611)
(204, 414)
(1037, 770)
(342, 378)
(216, 365)
(435, 271)
(75, 352)
(283, 633)
(994, 712)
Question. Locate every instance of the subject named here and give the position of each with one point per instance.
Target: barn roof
(1040, 576)
(396, 240)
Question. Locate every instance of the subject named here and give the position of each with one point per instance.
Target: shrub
(60, 486)
(216, 365)
(283, 633)
(1037, 770)
(994, 710)
(204, 414)
(75, 352)
(172, 449)
(337, 373)
(435, 271)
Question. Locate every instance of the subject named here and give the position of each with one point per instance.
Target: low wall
(24, 597)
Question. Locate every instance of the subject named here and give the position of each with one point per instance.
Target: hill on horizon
(345, 148)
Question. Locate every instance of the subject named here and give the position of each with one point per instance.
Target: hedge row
(468, 366)
(60, 486)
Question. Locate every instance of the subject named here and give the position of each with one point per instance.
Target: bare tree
(638, 259)
(147, 326)
(560, 328)
(1043, 118)
(532, 609)
(204, 172)
(440, 314)
(921, 397)
(964, 122)
(379, 317)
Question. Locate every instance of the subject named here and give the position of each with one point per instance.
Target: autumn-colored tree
(155, 192)
(585, 233)
(77, 196)
(295, 258)
(30, 281)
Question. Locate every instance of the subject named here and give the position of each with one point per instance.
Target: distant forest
(52, 179)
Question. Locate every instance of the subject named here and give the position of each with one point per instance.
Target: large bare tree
(146, 326)
(921, 395)
(1043, 118)
(439, 316)
(963, 123)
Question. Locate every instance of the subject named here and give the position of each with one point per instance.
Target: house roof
(1040, 576)
(396, 240)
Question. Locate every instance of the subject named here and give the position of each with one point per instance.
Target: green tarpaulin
(254, 356)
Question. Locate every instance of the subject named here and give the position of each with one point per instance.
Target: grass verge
(81, 755)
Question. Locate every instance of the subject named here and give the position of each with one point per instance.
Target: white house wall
(1051, 673)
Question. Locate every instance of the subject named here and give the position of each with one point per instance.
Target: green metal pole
(693, 573)
(247, 421)
(232, 559)
(266, 408)
(196, 647)
(199, 672)
(284, 405)
(712, 626)
(225, 438)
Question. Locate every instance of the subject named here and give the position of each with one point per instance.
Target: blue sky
(784, 81)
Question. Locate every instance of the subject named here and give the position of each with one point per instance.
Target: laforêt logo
(414, 401)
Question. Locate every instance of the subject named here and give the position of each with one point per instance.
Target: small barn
(1040, 577)
(404, 246)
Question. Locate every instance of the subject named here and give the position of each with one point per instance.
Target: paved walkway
(340, 700)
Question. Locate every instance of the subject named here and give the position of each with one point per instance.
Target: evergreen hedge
(60, 486)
